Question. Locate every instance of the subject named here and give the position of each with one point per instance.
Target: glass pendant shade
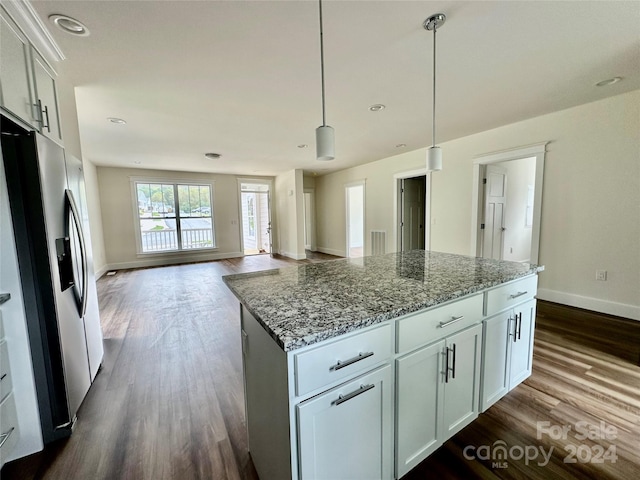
(434, 159)
(325, 143)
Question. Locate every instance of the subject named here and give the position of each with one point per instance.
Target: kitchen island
(361, 368)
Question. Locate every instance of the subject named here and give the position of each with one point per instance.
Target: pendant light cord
(324, 123)
(434, 88)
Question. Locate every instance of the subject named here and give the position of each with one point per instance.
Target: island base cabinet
(522, 349)
(507, 352)
(420, 395)
(347, 432)
(462, 380)
(437, 395)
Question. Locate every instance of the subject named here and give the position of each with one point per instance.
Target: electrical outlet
(601, 275)
(511, 250)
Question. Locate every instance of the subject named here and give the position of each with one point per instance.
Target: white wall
(289, 201)
(590, 216)
(119, 222)
(72, 144)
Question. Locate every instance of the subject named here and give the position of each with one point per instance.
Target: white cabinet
(437, 395)
(462, 379)
(420, 393)
(15, 71)
(507, 351)
(521, 360)
(46, 98)
(27, 82)
(347, 432)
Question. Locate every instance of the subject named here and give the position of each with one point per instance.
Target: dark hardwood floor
(168, 403)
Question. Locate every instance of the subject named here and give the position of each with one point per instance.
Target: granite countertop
(302, 305)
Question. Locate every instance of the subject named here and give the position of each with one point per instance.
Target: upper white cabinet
(15, 71)
(46, 98)
(27, 82)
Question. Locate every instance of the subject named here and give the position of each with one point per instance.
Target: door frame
(536, 151)
(397, 206)
(255, 181)
(312, 206)
(357, 183)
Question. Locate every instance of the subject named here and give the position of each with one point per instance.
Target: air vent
(378, 242)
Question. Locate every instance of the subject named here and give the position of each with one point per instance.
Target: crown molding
(22, 12)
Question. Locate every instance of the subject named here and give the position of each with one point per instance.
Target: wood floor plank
(169, 400)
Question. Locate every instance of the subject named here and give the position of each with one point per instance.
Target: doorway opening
(507, 201)
(412, 204)
(355, 219)
(255, 204)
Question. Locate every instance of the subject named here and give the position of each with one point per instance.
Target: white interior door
(355, 220)
(495, 192)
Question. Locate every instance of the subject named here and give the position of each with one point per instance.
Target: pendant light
(434, 154)
(325, 140)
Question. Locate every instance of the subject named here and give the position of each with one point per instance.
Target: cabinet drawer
(5, 372)
(8, 427)
(341, 359)
(425, 327)
(514, 293)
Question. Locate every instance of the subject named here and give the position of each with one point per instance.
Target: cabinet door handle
(451, 368)
(519, 294)
(453, 363)
(5, 436)
(515, 328)
(355, 393)
(4, 375)
(46, 114)
(340, 364)
(449, 322)
(519, 325)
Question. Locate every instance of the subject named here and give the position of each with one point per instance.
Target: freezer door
(93, 330)
(53, 179)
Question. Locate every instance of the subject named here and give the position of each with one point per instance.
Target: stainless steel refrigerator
(50, 221)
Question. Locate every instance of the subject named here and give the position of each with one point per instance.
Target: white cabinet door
(15, 76)
(462, 379)
(522, 347)
(495, 362)
(420, 394)
(347, 432)
(47, 98)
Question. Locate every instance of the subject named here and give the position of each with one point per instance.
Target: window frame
(175, 183)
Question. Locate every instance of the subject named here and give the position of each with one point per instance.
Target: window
(174, 216)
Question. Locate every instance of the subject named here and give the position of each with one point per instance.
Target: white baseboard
(589, 303)
(101, 271)
(295, 256)
(331, 251)
(162, 261)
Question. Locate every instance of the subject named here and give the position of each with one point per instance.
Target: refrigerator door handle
(73, 206)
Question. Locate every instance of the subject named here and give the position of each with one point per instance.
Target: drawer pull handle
(349, 396)
(5, 436)
(340, 364)
(449, 322)
(519, 294)
(4, 375)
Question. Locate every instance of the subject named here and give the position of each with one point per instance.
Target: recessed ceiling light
(212, 156)
(69, 25)
(377, 107)
(609, 81)
(303, 145)
(401, 145)
(119, 121)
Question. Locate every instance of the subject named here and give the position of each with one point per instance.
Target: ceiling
(242, 78)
